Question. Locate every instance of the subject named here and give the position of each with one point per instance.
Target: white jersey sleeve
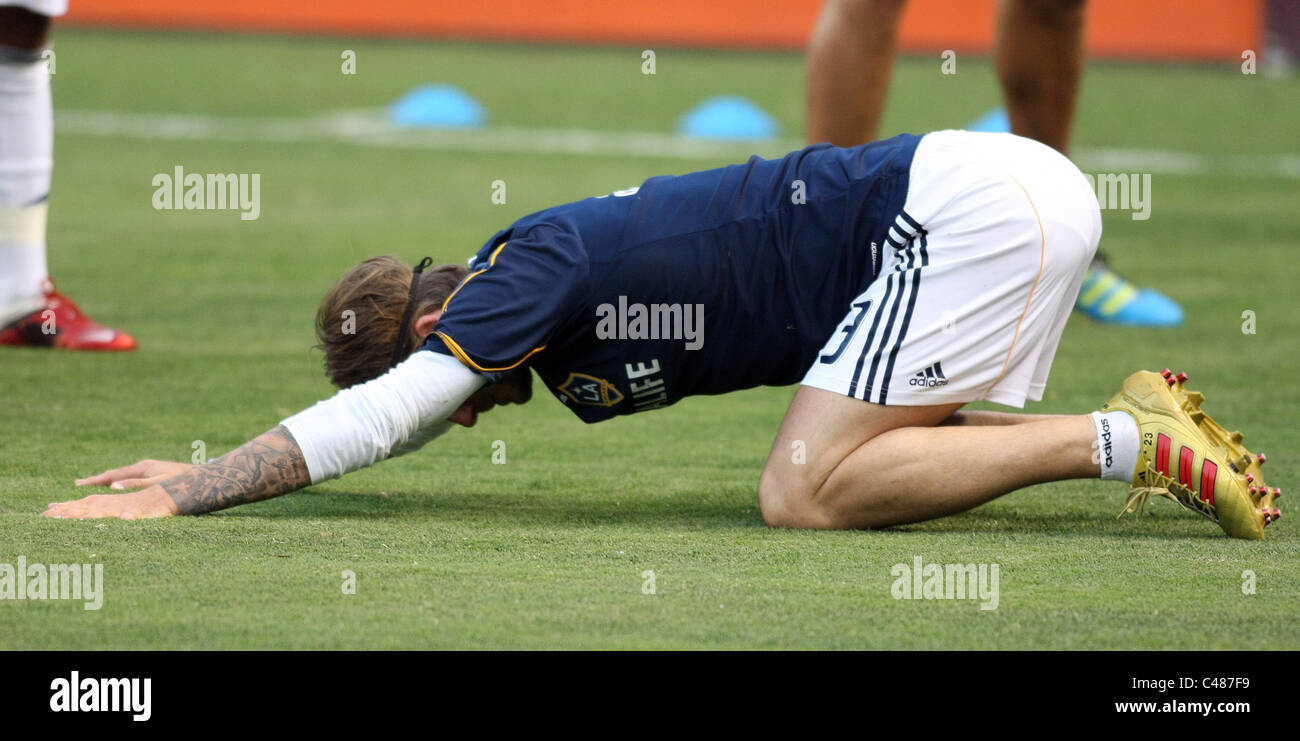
(391, 415)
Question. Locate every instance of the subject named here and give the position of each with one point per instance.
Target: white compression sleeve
(374, 420)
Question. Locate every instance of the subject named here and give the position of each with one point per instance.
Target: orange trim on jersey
(491, 261)
(1042, 258)
(464, 357)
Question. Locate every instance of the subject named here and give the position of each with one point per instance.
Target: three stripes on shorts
(875, 366)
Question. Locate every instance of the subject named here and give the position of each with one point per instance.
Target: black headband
(400, 344)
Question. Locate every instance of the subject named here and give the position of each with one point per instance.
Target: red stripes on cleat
(1163, 443)
(1185, 459)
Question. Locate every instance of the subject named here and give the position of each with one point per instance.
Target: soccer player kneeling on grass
(895, 281)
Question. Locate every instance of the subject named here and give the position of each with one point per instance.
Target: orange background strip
(1142, 29)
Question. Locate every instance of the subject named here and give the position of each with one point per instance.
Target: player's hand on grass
(137, 475)
(267, 466)
(150, 502)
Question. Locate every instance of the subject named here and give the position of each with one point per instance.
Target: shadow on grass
(709, 513)
(1077, 524)
(530, 508)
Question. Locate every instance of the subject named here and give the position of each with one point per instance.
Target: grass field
(548, 550)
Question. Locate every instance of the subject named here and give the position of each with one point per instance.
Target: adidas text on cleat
(1189, 458)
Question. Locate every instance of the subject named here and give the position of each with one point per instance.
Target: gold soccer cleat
(1189, 458)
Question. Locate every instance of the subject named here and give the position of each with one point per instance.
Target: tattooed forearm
(266, 467)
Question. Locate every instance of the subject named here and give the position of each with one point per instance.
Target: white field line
(371, 128)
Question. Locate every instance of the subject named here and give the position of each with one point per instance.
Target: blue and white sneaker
(1108, 297)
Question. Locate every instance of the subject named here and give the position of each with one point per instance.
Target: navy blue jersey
(694, 284)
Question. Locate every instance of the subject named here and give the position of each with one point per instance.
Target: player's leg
(866, 465)
(850, 59)
(26, 143)
(985, 418)
(987, 254)
(989, 249)
(31, 311)
(1038, 52)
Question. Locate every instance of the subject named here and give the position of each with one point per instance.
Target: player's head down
(358, 318)
(358, 321)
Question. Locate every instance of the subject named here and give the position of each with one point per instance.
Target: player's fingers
(113, 474)
(60, 510)
(75, 510)
(54, 510)
(86, 506)
(137, 483)
(96, 505)
(63, 509)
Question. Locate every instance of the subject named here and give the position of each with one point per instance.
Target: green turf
(548, 550)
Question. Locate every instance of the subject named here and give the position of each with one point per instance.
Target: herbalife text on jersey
(636, 321)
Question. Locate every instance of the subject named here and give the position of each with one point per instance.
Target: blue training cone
(728, 117)
(438, 106)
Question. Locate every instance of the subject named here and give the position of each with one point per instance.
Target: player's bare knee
(786, 502)
(772, 496)
(22, 29)
(796, 513)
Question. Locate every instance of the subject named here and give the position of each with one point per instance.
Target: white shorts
(51, 8)
(980, 274)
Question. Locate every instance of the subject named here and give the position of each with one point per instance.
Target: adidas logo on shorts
(932, 376)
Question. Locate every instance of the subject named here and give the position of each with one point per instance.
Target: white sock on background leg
(1118, 445)
(22, 261)
(26, 163)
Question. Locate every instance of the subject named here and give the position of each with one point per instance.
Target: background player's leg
(32, 313)
(867, 465)
(850, 60)
(1038, 51)
(26, 143)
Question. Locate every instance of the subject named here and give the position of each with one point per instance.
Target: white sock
(26, 163)
(1118, 445)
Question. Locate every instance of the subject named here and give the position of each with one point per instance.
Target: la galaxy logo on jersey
(585, 389)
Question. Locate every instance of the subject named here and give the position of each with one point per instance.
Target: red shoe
(60, 323)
